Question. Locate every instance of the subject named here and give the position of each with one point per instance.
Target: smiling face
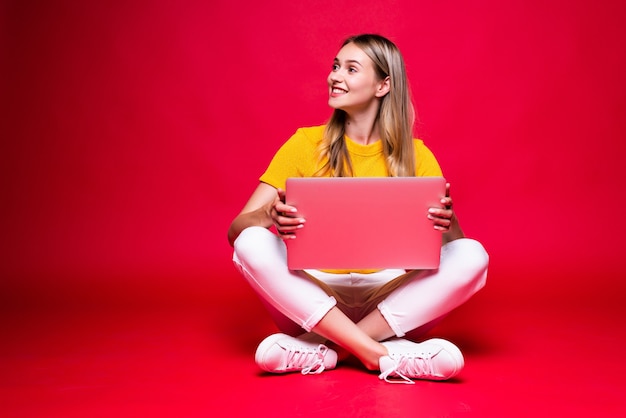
(354, 85)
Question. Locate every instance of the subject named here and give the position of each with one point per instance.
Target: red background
(134, 131)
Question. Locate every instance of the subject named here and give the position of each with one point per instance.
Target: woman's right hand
(266, 207)
(285, 217)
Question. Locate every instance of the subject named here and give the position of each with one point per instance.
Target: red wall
(133, 131)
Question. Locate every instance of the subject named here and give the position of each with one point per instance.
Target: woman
(370, 133)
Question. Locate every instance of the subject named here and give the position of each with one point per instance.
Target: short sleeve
(295, 158)
(426, 165)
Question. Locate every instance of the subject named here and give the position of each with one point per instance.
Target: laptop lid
(361, 223)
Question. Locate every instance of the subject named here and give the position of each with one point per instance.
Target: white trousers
(409, 301)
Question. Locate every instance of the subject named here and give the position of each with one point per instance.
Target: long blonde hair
(395, 116)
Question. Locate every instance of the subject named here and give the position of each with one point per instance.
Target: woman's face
(353, 83)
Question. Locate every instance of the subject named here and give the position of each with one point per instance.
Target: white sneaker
(281, 353)
(434, 359)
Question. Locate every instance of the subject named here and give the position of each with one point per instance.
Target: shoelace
(311, 361)
(413, 366)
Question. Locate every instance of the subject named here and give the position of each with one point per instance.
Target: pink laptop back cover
(365, 222)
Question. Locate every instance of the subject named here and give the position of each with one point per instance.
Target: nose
(334, 77)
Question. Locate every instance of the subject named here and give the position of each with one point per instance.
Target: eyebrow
(350, 62)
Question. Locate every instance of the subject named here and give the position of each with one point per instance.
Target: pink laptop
(365, 222)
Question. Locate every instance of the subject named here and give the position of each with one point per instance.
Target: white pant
(407, 301)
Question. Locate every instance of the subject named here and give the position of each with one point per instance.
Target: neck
(362, 130)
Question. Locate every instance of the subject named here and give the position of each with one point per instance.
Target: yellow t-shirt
(297, 158)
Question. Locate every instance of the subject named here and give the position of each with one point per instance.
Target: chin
(331, 104)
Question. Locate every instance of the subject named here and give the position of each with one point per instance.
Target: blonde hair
(395, 116)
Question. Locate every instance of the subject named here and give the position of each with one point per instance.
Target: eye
(335, 67)
(352, 70)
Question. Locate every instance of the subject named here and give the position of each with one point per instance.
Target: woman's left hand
(442, 217)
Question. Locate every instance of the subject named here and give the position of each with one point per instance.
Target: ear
(383, 87)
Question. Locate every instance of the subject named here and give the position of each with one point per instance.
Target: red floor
(107, 351)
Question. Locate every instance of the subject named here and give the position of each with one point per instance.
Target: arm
(265, 208)
(445, 219)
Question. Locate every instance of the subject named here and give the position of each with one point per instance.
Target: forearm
(454, 232)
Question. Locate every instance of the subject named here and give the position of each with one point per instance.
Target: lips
(337, 91)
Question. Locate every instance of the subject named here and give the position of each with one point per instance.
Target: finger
(286, 218)
(440, 213)
(281, 207)
(441, 224)
(288, 231)
(285, 210)
(447, 200)
(288, 222)
(442, 218)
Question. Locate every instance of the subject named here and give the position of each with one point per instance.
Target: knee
(256, 247)
(470, 259)
(475, 255)
(248, 240)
